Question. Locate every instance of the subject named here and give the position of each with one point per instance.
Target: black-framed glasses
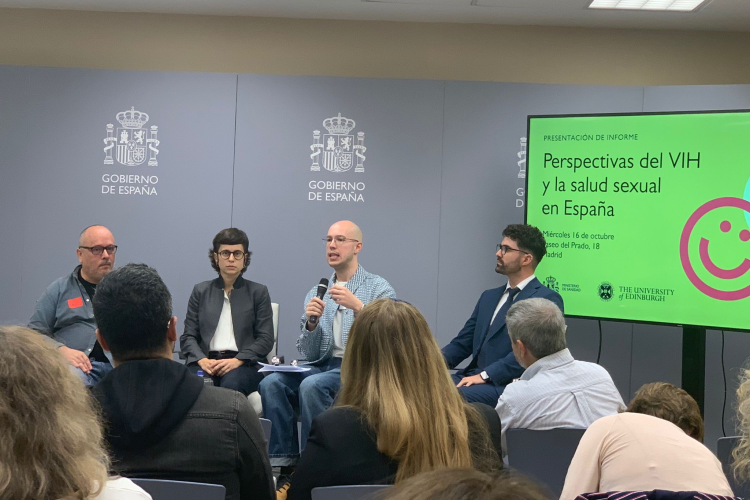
(238, 254)
(503, 249)
(338, 239)
(97, 250)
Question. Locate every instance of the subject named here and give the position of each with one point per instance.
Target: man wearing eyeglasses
(65, 314)
(324, 333)
(484, 337)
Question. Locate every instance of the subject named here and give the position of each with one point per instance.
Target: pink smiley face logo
(705, 259)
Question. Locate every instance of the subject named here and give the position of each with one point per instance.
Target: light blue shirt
(558, 391)
(317, 346)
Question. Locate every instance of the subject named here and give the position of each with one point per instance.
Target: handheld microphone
(322, 288)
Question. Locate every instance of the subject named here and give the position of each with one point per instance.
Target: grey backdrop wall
(440, 174)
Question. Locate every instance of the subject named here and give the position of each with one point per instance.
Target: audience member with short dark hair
(398, 412)
(51, 444)
(555, 390)
(647, 448)
(465, 484)
(161, 420)
(229, 320)
(671, 403)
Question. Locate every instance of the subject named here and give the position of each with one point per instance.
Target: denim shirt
(64, 313)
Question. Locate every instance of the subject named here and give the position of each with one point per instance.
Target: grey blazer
(252, 319)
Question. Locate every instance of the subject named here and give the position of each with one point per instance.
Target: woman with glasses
(398, 413)
(229, 320)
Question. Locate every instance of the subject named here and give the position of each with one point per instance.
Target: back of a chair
(543, 455)
(266, 425)
(353, 492)
(724, 448)
(162, 489)
(275, 308)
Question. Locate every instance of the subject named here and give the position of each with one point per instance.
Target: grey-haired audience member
(555, 390)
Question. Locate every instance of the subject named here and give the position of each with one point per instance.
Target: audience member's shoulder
(122, 489)
(592, 367)
(340, 415)
(607, 422)
(217, 400)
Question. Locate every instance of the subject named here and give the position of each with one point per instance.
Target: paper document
(283, 368)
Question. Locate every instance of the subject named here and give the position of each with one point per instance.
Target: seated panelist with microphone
(329, 313)
(229, 320)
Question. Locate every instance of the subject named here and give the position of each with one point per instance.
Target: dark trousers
(479, 393)
(244, 379)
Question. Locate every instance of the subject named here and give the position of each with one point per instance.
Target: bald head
(344, 243)
(95, 239)
(92, 232)
(347, 228)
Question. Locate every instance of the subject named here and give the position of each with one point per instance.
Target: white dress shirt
(223, 339)
(558, 391)
(504, 297)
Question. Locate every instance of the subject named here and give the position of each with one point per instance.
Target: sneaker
(282, 486)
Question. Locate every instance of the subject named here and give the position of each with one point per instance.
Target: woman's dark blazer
(342, 450)
(252, 319)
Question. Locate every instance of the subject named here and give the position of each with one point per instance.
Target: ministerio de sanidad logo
(340, 151)
(131, 145)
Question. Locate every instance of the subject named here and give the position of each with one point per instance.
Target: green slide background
(645, 251)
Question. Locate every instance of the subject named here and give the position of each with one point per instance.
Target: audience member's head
(394, 372)
(741, 454)
(133, 310)
(536, 328)
(668, 402)
(50, 437)
(232, 239)
(465, 484)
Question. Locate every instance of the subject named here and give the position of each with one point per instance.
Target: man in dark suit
(484, 337)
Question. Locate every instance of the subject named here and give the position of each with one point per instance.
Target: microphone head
(323, 283)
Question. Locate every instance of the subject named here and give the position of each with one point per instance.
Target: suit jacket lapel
(239, 295)
(527, 292)
(483, 322)
(213, 309)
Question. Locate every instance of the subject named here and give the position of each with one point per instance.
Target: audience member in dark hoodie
(161, 421)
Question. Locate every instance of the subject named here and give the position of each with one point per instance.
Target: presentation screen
(646, 216)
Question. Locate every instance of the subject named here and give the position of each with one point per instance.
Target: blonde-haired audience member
(51, 444)
(465, 484)
(398, 412)
(653, 445)
(741, 454)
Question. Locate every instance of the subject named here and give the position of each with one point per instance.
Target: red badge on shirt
(77, 302)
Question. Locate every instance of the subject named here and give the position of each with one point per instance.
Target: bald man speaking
(64, 312)
(321, 343)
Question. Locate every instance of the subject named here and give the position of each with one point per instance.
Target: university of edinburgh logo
(606, 291)
(338, 147)
(134, 143)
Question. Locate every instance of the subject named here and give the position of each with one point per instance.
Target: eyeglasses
(338, 239)
(97, 250)
(238, 254)
(503, 249)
